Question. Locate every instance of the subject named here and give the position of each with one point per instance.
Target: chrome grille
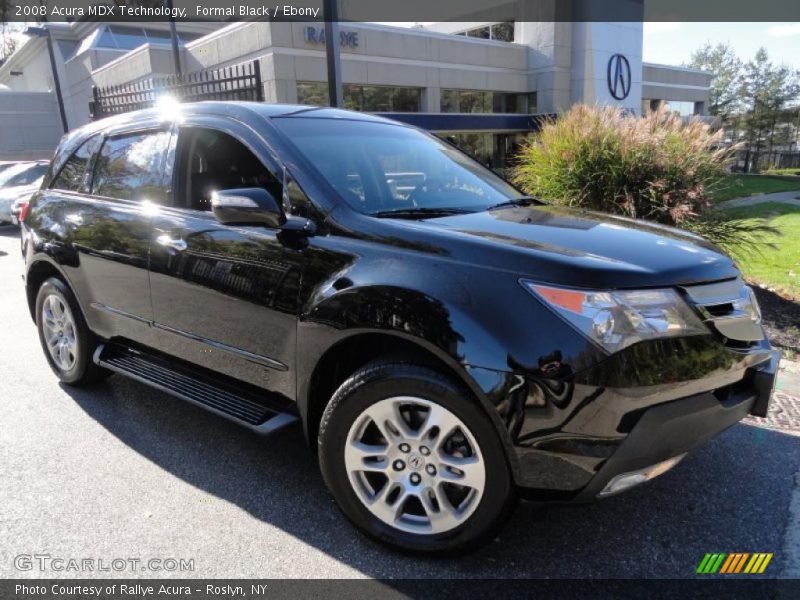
(730, 309)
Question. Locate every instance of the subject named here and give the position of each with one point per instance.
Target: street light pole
(331, 14)
(173, 34)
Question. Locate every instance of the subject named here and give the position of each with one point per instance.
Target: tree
(723, 99)
(9, 39)
(767, 91)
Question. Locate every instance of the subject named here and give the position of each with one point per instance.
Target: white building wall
(593, 45)
(35, 76)
(29, 123)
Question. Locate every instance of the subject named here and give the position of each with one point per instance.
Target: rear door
(108, 197)
(225, 297)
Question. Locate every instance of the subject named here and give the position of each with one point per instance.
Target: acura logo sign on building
(619, 76)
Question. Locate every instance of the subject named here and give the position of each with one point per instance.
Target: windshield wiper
(419, 212)
(521, 201)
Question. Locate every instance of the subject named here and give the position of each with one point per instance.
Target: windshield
(22, 175)
(379, 168)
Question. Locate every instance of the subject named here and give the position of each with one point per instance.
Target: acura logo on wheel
(415, 462)
(619, 76)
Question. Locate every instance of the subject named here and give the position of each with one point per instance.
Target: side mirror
(247, 206)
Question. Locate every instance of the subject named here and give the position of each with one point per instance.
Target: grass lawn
(736, 186)
(794, 171)
(777, 268)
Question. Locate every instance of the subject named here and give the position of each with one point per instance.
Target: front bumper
(570, 433)
(669, 430)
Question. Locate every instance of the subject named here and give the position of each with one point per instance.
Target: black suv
(446, 343)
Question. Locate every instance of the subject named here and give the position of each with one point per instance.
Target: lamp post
(331, 14)
(173, 34)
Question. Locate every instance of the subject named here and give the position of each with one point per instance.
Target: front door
(224, 297)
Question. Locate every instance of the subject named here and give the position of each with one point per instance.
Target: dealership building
(479, 83)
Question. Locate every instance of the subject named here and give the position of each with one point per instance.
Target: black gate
(237, 82)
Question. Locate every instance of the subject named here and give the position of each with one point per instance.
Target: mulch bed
(781, 317)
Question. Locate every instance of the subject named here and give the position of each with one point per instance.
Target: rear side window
(73, 173)
(131, 167)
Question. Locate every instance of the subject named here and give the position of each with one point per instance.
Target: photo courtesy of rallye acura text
(447, 344)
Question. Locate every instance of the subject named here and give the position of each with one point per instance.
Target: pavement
(121, 471)
(792, 197)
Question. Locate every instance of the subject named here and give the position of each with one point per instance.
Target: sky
(673, 43)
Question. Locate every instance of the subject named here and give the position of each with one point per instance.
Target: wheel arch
(347, 355)
(39, 272)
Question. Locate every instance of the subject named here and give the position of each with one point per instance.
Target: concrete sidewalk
(792, 197)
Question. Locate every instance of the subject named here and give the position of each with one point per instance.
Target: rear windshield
(380, 167)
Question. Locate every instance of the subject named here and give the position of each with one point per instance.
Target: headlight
(617, 319)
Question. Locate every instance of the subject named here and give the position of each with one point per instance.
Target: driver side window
(210, 160)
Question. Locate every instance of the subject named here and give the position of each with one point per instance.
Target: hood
(585, 249)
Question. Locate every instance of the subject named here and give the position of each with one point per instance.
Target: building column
(432, 100)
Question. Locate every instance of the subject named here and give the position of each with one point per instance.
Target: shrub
(658, 167)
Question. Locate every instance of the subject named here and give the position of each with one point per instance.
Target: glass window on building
(502, 32)
(480, 32)
(476, 101)
(365, 98)
(127, 38)
(533, 103)
(380, 98)
(495, 150)
(679, 107)
(313, 93)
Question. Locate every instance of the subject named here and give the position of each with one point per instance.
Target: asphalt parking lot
(123, 471)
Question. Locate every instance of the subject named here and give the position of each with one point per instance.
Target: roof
(234, 109)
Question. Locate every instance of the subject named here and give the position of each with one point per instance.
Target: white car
(17, 185)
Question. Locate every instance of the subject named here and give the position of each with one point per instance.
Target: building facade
(432, 76)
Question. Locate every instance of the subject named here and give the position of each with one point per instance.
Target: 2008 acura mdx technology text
(447, 343)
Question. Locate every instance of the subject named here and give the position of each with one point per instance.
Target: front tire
(67, 342)
(413, 461)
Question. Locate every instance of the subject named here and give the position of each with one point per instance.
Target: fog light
(625, 481)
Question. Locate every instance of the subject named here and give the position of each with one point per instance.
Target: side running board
(238, 402)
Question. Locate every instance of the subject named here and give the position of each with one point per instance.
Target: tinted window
(71, 176)
(213, 161)
(378, 167)
(131, 167)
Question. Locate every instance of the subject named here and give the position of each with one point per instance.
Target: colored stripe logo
(736, 562)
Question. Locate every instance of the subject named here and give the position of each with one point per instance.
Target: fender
(37, 270)
(413, 317)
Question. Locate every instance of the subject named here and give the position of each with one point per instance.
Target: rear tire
(67, 342)
(413, 461)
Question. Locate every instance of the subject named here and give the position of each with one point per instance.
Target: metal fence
(237, 82)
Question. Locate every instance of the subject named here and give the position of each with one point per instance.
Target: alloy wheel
(415, 465)
(58, 326)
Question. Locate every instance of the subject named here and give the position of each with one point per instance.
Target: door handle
(169, 242)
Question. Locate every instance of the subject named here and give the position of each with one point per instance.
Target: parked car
(446, 343)
(17, 185)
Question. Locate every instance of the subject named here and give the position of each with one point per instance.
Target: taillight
(23, 211)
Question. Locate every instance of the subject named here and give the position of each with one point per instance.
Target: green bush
(657, 167)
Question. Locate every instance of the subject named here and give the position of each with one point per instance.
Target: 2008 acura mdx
(447, 343)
